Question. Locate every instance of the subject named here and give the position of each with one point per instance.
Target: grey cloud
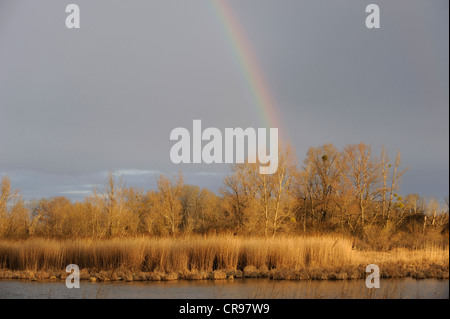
(76, 103)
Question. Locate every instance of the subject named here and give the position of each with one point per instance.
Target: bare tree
(363, 174)
(114, 202)
(324, 164)
(170, 191)
(394, 184)
(283, 180)
(5, 198)
(261, 200)
(14, 217)
(237, 194)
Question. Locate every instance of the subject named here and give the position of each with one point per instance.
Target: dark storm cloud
(75, 103)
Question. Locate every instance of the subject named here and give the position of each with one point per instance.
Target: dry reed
(324, 257)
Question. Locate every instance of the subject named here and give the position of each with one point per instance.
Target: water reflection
(239, 289)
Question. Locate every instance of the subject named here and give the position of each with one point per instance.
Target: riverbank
(213, 257)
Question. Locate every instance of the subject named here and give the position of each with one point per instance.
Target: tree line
(350, 191)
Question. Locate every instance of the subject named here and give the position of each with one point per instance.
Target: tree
(54, 217)
(282, 189)
(170, 191)
(236, 195)
(394, 184)
(322, 165)
(362, 172)
(191, 207)
(150, 221)
(14, 216)
(201, 211)
(114, 204)
(5, 199)
(260, 201)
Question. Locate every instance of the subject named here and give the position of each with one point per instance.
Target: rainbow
(248, 62)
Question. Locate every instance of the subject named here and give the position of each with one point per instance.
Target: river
(227, 289)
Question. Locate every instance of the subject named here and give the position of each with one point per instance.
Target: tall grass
(207, 254)
(176, 254)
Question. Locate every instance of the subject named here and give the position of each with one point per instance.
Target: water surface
(227, 289)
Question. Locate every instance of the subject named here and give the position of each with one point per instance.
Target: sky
(75, 103)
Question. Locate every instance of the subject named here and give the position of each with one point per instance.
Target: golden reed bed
(212, 257)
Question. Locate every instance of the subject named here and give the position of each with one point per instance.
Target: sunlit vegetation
(336, 211)
(213, 257)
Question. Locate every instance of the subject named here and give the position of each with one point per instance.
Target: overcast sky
(76, 103)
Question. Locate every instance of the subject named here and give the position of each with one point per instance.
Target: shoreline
(214, 258)
(433, 272)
